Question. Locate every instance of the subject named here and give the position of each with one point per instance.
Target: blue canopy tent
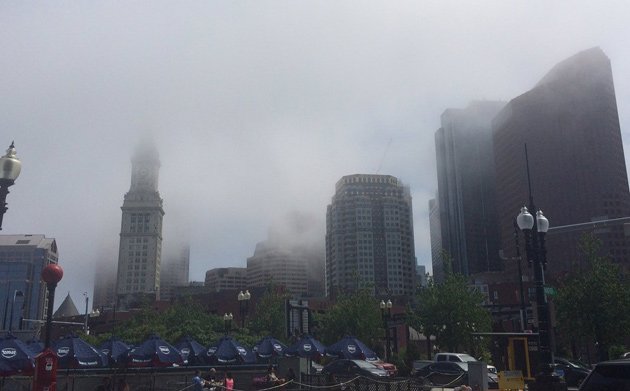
(192, 351)
(115, 350)
(73, 352)
(155, 352)
(227, 350)
(307, 347)
(351, 348)
(15, 357)
(269, 347)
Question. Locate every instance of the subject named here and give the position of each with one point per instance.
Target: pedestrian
(106, 385)
(211, 380)
(229, 381)
(198, 382)
(290, 375)
(122, 385)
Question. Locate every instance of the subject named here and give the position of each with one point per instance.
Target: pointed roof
(66, 309)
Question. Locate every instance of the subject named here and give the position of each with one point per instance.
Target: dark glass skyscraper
(369, 236)
(466, 191)
(570, 124)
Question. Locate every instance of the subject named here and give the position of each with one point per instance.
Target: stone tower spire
(140, 251)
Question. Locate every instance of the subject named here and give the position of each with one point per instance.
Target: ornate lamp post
(534, 231)
(386, 314)
(46, 362)
(243, 305)
(10, 167)
(227, 322)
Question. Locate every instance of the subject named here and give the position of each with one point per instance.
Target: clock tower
(140, 250)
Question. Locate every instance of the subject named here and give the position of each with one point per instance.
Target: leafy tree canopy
(451, 311)
(594, 299)
(355, 314)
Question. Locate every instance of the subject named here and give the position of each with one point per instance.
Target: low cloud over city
(256, 108)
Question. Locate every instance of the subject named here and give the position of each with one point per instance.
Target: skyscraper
(175, 272)
(140, 249)
(292, 256)
(104, 294)
(570, 124)
(369, 236)
(435, 233)
(466, 190)
(23, 295)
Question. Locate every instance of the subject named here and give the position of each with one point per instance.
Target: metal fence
(178, 380)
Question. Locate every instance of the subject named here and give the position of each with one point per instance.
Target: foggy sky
(257, 107)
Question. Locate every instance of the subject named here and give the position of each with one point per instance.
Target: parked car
(608, 376)
(391, 369)
(453, 373)
(354, 367)
(574, 372)
(460, 357)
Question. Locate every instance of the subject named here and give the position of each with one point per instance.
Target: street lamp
(243, 305)
(386, 314)
(10, 166)
(227, 322)
(534, 230)
(46, 362)
(85, 324)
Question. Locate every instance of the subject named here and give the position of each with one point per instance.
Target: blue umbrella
(15, 357)
(268, 347)
(155, 352)
(73, 352)
(227, 350)
(191, 350)
(115, 350)
(307, 347)
(35, 345)
(351, 348)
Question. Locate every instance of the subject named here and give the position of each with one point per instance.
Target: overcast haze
(257, 107)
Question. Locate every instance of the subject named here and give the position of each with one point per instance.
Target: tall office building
(140, 249)
(23, 295)
(466, 189)
(226, 278)
(570, 124)
(292, 256)
(369, 236)
(104, 295)
(435, 233)
(175, 273)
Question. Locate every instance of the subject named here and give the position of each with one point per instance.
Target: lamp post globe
(52, 274)
(10, 167)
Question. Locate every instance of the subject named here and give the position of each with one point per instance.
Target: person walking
(229, 381)
(198, 382)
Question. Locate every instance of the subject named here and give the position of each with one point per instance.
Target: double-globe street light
(10, 167)
(535, 230)
(243, 305)
(386, 315)
(227, 322)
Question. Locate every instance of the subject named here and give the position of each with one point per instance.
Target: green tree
(593, 301)
(355, 314)
(184, 319)
(269, 316)
(451, 311)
